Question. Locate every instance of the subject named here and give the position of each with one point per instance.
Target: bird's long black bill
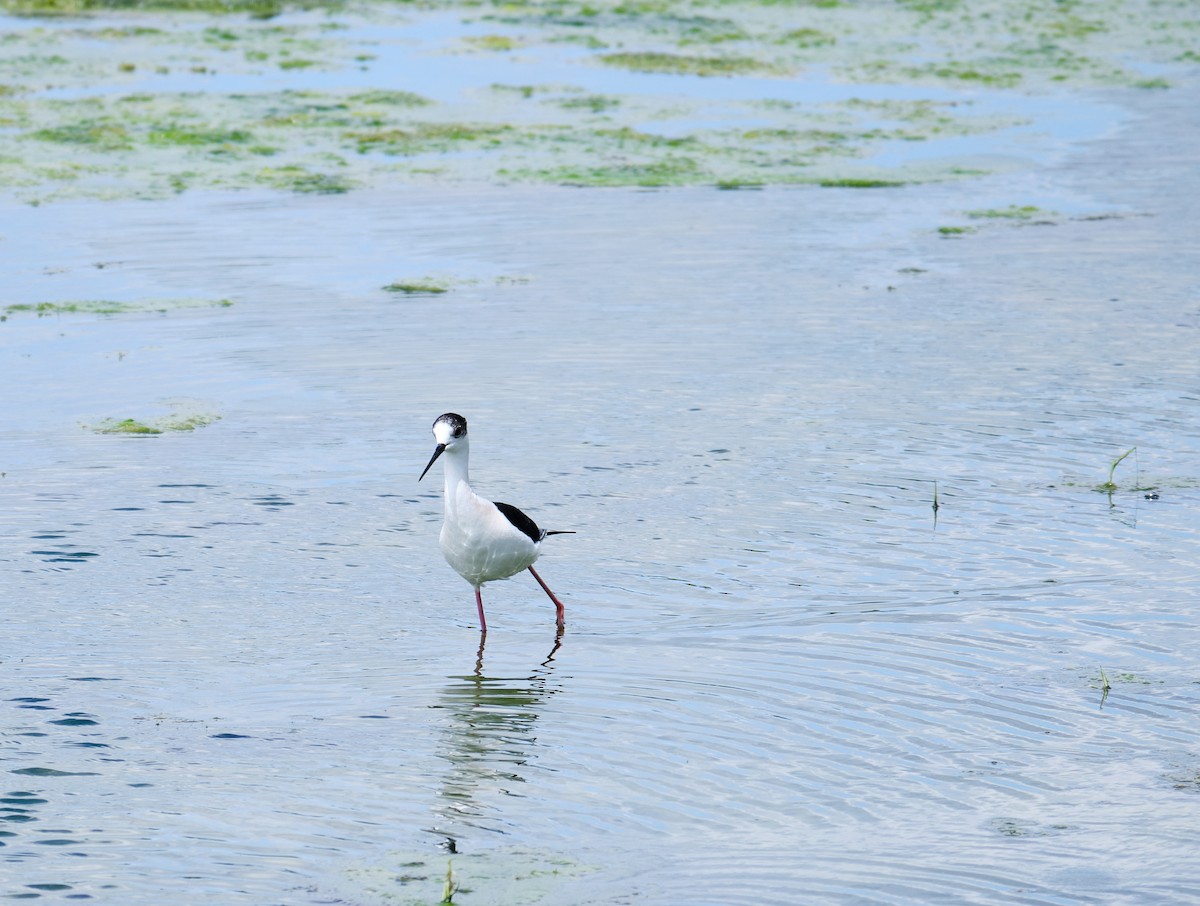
(437, 451)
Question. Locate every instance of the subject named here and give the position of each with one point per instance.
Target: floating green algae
(261, 9)
(99, 135)
(492, 42)
(855, 182)
(1012, 212)
(107, 307)
(425, 286)
(125, 426)
(390, 97)
(669, 171)
(426, 137)
(176, 422)
(304, 181)
(593, 103)
(438, 285)
(84, 108)
(680, 64)
(194, 137)
(45, 309)
(187, 422)
(808, 37)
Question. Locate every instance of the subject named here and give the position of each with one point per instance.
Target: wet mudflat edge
(239, 671)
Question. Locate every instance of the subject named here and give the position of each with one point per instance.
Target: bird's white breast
(479, 542)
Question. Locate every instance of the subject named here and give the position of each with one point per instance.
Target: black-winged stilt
(483, 541)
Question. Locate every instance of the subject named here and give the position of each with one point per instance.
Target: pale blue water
(239, 672)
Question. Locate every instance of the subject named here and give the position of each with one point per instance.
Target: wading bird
(483, 541)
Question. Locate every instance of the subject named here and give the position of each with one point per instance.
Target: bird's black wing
(521, 522)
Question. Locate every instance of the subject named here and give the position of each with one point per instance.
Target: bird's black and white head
(450, 432)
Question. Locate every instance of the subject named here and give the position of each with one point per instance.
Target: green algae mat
(147, 99)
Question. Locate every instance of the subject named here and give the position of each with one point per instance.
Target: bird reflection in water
(490, 738)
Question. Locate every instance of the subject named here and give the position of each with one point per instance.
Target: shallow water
(371, 96)
(238, 671)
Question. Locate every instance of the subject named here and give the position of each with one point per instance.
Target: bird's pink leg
(479, 604)
(557, 603)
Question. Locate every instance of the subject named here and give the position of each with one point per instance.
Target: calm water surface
(237, 670)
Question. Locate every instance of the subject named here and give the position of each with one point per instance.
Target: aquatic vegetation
(955, 71)
(627, 135)
(95, 135)
(451, 886)
(45, 309)
(670, 171)
(108, 307)
(179, 135)
(679, 64)
(501, 43)
(808, 37)
(260, 9)
(1110, 485)
(1012, 212)
(125, 426)
(956, 230)
(305, 181)
(150, 427)
(389, 97)
(860, 183)
(424, 137)
(594, 103)
(423, 287)
(523, 91)
(297, 63)
(111, 32)
(186, 422)
(101, 136)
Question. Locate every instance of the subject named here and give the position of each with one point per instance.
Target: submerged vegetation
(125, 426)
(46, 309)
(1023, 212)
(679, 64)
(303, 180)
(132, 426)
(861, 183)
(259, 9)
(145, 117)
(426, 286)
(107, 307)
(1012, 215)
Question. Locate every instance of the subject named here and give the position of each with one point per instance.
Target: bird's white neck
(455, 471)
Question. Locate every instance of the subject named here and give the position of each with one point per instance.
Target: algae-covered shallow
(152, 99)
(108, 307)
(150, 427)
(125, 426)
(422, 287)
